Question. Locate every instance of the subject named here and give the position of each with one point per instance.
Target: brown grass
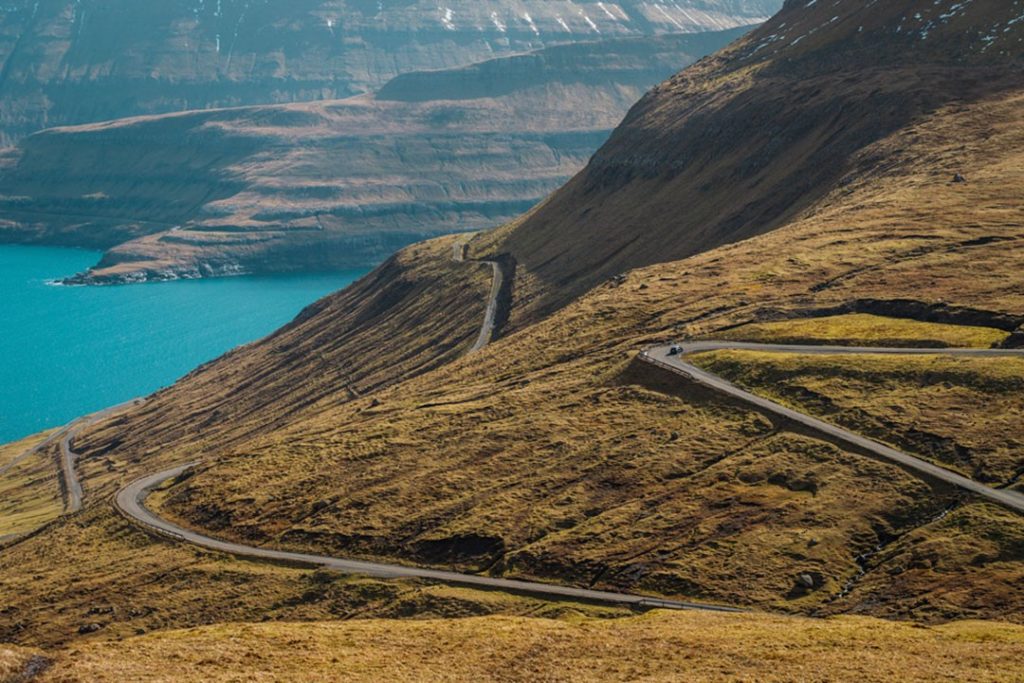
(550, 454)
(861, 329)
(30, 493)
(962, 413)
(655, 647)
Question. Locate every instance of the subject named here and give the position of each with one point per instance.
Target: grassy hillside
(30, 493)
(780, 124)
(655, 647)
(961, 413)
(339, 348)
(550, 455)
(553, 454)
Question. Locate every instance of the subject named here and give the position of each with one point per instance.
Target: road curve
(130, 501)
(497, 280)
(72, 485)
(662, 357)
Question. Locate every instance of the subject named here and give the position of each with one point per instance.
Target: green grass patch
(861, 329)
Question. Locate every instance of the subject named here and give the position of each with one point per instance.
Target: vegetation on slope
(98, 576)
(862, 329)
(30, 493)
(764, 131)
(656, 647)
(551, 454)
(339, 348)
(964, 414)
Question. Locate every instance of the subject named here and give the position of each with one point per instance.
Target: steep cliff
(330, 184)
(77, 61)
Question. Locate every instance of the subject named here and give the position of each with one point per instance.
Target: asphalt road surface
(676, 363)
(131, 502)
(72, 484)
(498, 279)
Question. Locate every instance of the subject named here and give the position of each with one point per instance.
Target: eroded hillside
(76, 61)
(329, 185)
(553, 454)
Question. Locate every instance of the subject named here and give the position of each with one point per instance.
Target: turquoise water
(69, 351)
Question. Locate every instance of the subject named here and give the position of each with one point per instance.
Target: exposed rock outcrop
(68, 62)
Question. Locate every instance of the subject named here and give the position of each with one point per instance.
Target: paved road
(497, 280)
(676, 363)
(72, 485)
(131, 502)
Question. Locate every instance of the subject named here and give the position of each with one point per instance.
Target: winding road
(131, 500)
(72, 485)
(663, 357)
(497, 281)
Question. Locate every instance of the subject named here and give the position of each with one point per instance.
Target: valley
(738, 401)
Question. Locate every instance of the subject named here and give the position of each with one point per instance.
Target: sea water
(69, 351)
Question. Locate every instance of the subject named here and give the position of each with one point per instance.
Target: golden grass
(963, 413)
(860, 329)
(14, 450)
(96, 568)
(13, 663)
(658, 646)
(30, 493)
(550, 454)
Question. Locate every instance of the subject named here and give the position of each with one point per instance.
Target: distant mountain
(330, 184)
(77, 61)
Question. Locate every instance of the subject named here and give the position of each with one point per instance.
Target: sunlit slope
(549, 454)
(772, 129)
(655, 647)
(338, 348)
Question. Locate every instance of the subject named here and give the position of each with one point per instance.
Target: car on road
(675, 350)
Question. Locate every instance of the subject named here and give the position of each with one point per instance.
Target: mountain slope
(553, 454)
(746, 141)
(65, 62)
(329, 185)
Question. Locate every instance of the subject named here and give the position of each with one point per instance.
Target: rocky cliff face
(330, 184)
(76, 61)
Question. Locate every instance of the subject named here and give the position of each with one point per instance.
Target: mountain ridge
(331, 184)
(77, 61)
